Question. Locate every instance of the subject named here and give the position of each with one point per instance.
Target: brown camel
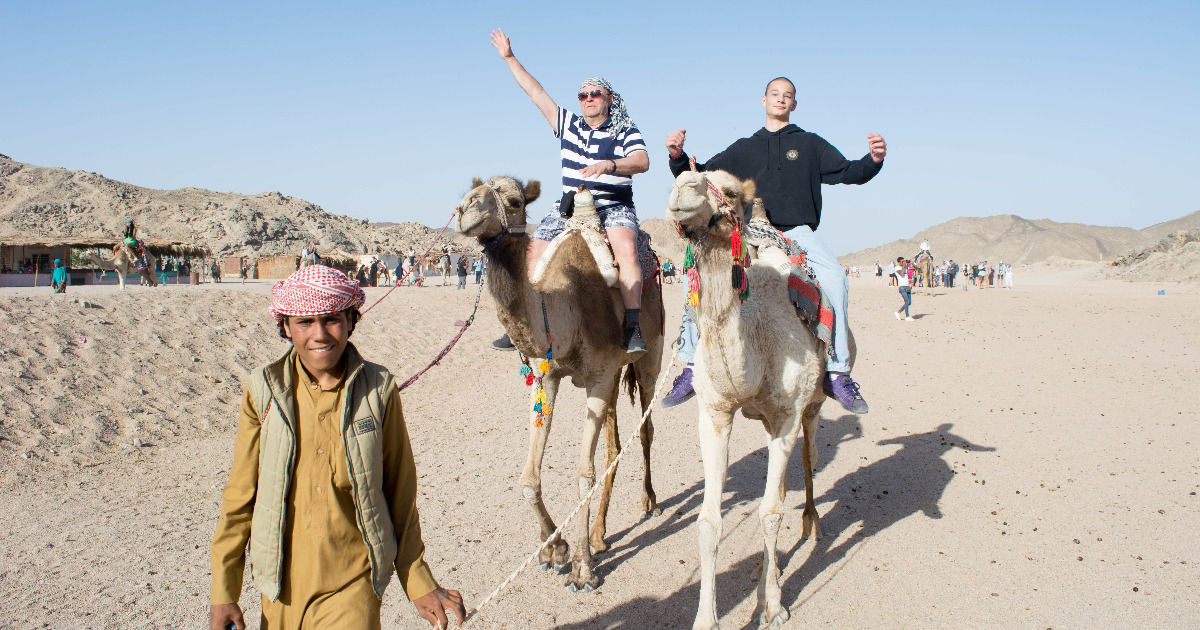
(121, 264)
(757, 356)
(583, 316)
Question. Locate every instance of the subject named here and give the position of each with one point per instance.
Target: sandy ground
(1030, 461)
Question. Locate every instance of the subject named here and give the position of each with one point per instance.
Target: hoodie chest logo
(793, 154)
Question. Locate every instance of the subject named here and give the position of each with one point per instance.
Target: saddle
(585, 222)
(136, 253)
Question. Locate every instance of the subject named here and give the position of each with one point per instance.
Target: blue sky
(1082, 112)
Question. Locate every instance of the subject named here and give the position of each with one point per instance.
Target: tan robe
(327, 573)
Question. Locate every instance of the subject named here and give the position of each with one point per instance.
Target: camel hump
(573, 245)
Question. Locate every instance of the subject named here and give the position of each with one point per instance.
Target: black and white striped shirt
(583, 146)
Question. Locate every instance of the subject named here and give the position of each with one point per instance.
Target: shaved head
(772, 81)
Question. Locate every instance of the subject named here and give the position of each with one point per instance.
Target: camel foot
(596, 540)
(774, 622)
(585, 587)
(557, 567)
(651, 513)
(811, 525)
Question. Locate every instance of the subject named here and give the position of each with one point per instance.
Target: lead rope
(587, 499)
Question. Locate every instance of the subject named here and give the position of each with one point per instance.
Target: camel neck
(718, 301)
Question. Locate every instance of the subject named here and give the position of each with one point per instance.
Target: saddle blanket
(594, 237)
(803, 289)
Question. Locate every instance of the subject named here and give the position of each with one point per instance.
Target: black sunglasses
(583, 96)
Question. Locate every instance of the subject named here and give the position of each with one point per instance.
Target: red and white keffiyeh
(314, 290)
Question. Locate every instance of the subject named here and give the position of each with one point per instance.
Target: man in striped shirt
(601, 150)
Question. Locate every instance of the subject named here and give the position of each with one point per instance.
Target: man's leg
(689, 336)
(621, 226)
(835, 284)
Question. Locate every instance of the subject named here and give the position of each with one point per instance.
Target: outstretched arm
(536, 92)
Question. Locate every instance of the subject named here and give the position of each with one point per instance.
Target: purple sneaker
(845, 390)
(681, 390)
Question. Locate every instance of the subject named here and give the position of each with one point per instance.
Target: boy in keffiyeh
(323, 484)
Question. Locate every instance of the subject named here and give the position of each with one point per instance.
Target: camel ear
(476, 183)
(748, 190)
(532, 191)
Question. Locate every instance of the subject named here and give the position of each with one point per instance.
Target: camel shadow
(877, 495)
(743, 486)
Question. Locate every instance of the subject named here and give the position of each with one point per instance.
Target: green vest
(364, 401)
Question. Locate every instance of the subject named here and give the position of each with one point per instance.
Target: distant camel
(924, 262)
(121, 264)
(443, 267)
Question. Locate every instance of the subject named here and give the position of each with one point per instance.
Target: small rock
(85, 304)
(141, 392)
(138, 442)
(195, 359)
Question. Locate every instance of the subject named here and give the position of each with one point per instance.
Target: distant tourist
(59, 278)
(904, 278)
(462, 271)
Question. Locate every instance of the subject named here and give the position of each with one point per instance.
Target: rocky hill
(1175, 258)
(38, 200)
(1013, 239)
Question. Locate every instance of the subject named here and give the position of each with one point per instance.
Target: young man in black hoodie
(789, 164)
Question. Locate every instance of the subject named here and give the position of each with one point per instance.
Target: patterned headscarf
(617, 112)
(314, 290)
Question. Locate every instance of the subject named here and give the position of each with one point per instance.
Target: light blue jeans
(832, 278)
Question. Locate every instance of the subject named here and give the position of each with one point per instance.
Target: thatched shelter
(39, 252)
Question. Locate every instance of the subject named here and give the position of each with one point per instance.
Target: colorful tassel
(529, 378)
(526, 370)
(689, 258)
(537, 407)
(736, 241)
(544, 366)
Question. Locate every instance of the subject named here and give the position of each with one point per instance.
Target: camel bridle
(741, 257)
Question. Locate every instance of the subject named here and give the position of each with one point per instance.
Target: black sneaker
(503, 343)
(634, 344)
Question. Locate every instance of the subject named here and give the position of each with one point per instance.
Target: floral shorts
(616, 215)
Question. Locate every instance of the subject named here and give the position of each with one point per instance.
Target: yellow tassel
(544, 366)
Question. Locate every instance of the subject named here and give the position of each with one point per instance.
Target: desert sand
(1029, 461)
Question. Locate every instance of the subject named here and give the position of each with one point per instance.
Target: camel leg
(555, 554)
(770, 515)
(600, 395)
(812, 413)
(121, 279)
(613, 444)
(646, 392)
(715, 428)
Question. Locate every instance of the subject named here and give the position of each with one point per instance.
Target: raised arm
(536, 92)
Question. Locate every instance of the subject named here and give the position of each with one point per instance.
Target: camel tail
(631, 384)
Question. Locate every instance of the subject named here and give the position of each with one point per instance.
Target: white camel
(757, 356)
(121, 264)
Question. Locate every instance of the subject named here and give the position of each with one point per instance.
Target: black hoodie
(788, 166)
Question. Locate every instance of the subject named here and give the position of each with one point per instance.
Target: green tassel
(689, 259)
(526, 370)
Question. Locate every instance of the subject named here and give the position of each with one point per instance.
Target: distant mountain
(1016, 240)
(1162, 230)
(56, 202)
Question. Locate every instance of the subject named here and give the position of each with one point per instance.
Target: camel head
(496, 206)
(695, 208)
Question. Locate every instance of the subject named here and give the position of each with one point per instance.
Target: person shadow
(877, 496)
